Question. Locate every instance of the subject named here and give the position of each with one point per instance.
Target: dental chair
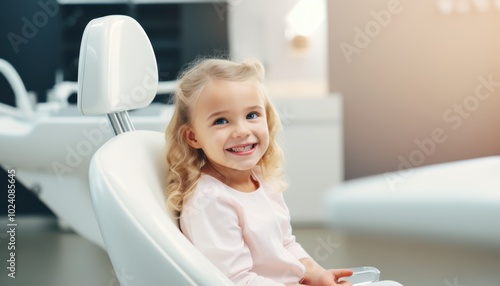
(118, 72)
(431, 202)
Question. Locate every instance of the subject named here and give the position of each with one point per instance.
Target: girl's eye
(220, 121)
(252, 115)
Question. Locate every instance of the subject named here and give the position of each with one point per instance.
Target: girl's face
(229, 124)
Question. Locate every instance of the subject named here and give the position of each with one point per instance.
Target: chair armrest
(363, 274)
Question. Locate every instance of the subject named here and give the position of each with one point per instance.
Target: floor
(47, 256)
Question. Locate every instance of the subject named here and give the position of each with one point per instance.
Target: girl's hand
(318, 276)
(331, 277)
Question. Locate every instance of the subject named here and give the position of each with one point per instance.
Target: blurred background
(404, 73)
(363, 88)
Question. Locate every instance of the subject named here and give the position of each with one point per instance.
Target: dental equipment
(452, 202)
(24, 108)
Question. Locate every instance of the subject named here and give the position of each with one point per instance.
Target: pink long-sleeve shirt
(246, 235)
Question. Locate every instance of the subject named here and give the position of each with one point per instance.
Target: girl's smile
(243, 149)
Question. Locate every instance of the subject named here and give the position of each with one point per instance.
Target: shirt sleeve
(289, 241)
(215, 231)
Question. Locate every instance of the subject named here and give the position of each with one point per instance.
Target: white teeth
(242, 148)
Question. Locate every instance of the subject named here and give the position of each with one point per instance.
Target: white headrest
(117, 68)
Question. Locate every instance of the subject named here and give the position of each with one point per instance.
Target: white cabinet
(312, 135)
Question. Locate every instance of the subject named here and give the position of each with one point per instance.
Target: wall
(32, 49)
(420, 86)
(257, 30)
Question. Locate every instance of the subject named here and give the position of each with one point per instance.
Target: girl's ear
(190, 138)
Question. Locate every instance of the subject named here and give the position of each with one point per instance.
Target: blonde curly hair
(185, 162)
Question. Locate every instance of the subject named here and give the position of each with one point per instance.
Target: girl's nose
(241, 130)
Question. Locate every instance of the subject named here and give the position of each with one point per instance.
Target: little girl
(226, 180)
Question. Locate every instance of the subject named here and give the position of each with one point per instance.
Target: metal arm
(120, 122)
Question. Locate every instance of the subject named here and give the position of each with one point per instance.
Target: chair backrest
(117, 72)
(141, 235)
